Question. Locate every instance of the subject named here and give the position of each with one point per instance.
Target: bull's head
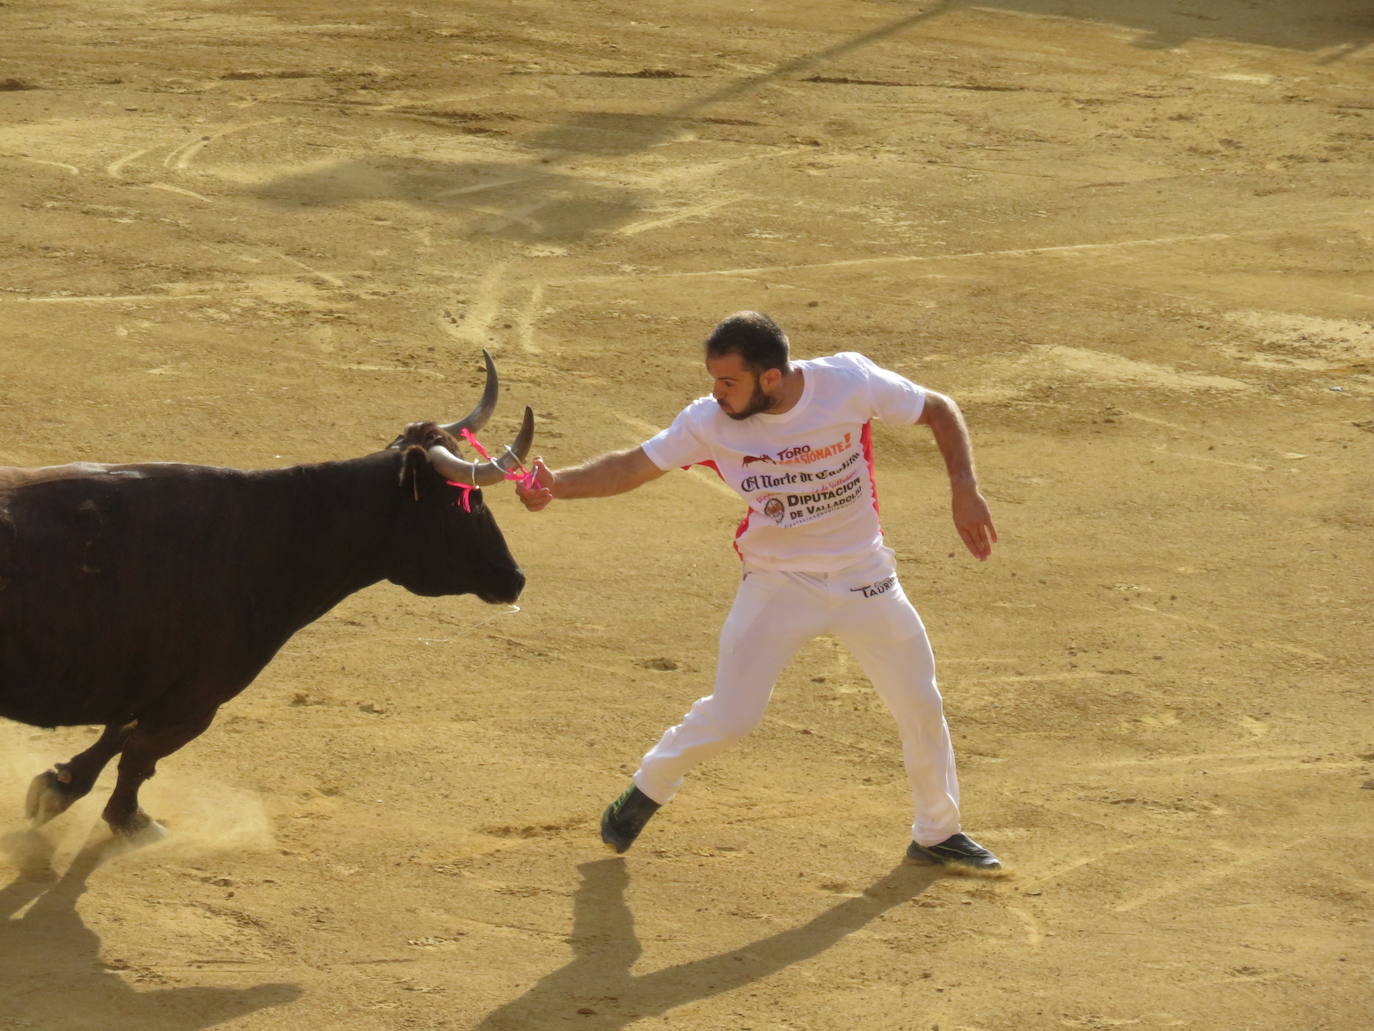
(446, 540)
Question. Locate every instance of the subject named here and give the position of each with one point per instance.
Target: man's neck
(789, 391)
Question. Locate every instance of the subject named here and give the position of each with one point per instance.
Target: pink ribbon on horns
(525, 477)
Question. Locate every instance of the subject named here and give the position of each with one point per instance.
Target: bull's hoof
(47, 798)
(139, 830)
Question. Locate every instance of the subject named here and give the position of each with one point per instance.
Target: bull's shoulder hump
(12, 478)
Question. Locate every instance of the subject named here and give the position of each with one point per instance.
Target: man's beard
(758, 402)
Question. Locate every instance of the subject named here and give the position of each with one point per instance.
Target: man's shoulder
(698, 415)
(847, 368)
(701, 408)
(842, 361)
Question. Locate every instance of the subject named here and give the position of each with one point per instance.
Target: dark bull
(143, 597)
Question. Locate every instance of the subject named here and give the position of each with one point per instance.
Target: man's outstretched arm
(613, 473)
(971, 516)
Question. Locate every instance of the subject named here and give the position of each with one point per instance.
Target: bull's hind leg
(148, 741)
(53, 791)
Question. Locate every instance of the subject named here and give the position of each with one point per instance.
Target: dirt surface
(1134, 243)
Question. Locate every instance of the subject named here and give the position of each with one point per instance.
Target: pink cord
(525, 477)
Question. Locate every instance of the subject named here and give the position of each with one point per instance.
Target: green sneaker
(625, 818)
(956, 850)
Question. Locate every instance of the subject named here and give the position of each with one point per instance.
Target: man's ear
(769, 379)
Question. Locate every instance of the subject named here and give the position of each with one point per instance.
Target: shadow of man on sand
(537, 197)
(541, 196)
(51, 975)
(598, 984)
(1342, 25)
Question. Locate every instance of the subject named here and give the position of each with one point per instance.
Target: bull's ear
(9, 552)
(414, 459)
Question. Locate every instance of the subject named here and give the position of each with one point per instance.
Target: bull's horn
(477, 418)
(484, 474)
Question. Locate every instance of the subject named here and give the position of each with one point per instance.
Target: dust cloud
(202, 815)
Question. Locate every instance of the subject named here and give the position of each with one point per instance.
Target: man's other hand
(974, 522)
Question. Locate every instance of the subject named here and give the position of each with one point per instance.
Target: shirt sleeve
(891, 396)
(679, 445)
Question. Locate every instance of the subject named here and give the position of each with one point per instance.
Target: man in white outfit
(793, 438)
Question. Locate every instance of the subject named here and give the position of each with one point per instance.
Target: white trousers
(775, 614)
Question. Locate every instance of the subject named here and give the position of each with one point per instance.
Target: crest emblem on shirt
(775, 510)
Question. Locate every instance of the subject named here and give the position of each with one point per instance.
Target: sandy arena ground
(1133, 239)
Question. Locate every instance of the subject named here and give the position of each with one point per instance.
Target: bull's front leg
(53, 791)
(150, 740)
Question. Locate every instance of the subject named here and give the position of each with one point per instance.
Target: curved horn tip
(477, 418)
(525, 437)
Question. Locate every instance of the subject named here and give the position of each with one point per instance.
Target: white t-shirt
(807, 474)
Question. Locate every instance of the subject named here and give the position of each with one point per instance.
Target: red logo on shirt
(751, 459)
(805, 454)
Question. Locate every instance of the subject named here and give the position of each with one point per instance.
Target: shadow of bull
(51, 972)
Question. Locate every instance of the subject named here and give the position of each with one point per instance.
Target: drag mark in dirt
(1017, 252)
(323, 276)
(1262, 642)
(493, 184)
(474, 326)
(181, 156)
(1192, 432)
(177, 189)
(115, 170)
(406, 370)
(1036, 678)
(1069, 868)
(851, 745)
(39, 161)
(521, 218)
(1205, 757)
(1216, 872)
(1034, 936)
(704, 172)
(682, 215)
(1099, 365)
(1213, 461)
(118, 298)
(529, 315)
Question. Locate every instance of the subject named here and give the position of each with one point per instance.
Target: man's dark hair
(756, 338)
